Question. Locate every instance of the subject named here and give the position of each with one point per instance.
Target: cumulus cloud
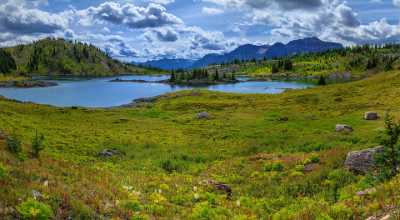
(396, 3)
(331, 20)
(16, 18)
(135, 17)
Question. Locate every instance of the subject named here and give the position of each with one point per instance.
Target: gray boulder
(109, 153)
(343, 128)
(362, 161)
(203, 115)
(371, 116)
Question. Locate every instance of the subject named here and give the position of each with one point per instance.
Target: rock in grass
(203, 115)
(371, 116)
(2, 135)
(220, 187)
(283, 119)
(343, 128)
(362, 161)
(109, 153)
(366, 192)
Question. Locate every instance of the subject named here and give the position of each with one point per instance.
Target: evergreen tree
(389, 160)
(7, 62)
(322, 81)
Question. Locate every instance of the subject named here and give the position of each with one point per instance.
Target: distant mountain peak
(248, 52)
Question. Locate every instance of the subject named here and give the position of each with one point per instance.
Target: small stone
(220, 187)
(371, 116)
(343, 128)
(366, 192)
(203, 115)
(2, 135)
(310, 167)
(109, 153)
(36, 195)
(283, 119)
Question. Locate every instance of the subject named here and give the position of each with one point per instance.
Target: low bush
(276, 166)
(35, 210)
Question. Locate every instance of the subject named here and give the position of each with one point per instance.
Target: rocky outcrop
(362, 161)
(343, 128)
(371, 116)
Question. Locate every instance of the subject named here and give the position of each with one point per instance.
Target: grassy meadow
(262, 146)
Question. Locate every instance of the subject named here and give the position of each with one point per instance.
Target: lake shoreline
(27, 84)
(181, 83)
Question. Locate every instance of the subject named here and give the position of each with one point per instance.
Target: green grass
(167, 153)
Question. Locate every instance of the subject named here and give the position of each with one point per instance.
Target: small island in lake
(196, 77)
(201, 77)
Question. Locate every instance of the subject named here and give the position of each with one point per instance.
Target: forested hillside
(60, 57)
(349, 62)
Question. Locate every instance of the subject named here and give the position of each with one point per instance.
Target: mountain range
(248, 52)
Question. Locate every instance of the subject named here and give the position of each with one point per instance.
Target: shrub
(3, 172)
(34, 210)
(81, 211)
(37, 145)
(277, 166)
(132, 205)
(204, 211)
(336, 180)
(315, 159)
(14, 144)
(341, 211)
(172, 166)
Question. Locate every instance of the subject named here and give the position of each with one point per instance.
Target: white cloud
(396, 3)
(135, 17)
(16, 18)
(212, 11)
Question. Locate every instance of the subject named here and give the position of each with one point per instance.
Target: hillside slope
(163, 158)
(61, 57)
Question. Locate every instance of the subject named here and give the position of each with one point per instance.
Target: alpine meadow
(199, 110)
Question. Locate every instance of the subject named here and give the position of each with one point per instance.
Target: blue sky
(138, 30)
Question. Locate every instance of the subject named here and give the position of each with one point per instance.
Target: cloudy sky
(138, 30)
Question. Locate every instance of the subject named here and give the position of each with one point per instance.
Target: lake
(100, 92)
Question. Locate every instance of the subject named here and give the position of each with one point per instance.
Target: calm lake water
(100, 92)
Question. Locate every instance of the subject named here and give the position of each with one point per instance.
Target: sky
(140, 30)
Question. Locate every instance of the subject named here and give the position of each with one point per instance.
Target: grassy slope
(233, 147)
(61, 57)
